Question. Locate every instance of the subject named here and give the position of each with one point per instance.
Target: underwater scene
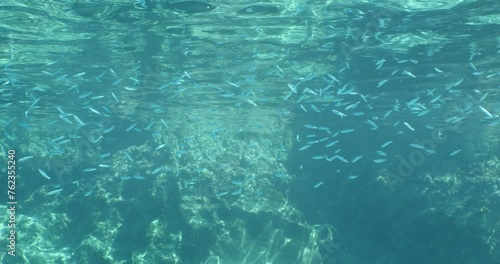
(250, 132)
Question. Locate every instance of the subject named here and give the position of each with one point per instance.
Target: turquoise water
(250, 132)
